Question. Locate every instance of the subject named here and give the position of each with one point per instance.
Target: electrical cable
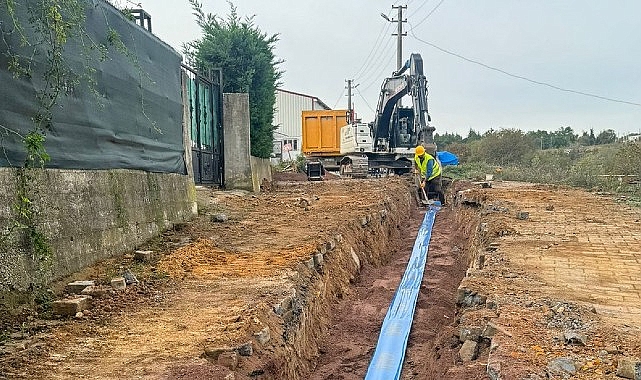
(522, 77)
(380, 73)
(428, 15)
(339, 98)
(418, 9)
(377, 43)
(374, 71)
(362, 97)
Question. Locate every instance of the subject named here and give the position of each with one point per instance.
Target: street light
(383, 15)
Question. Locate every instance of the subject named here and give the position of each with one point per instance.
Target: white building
(287, 117)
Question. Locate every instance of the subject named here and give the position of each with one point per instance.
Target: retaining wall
(86, 216)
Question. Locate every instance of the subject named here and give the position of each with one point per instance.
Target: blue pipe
(387, 361)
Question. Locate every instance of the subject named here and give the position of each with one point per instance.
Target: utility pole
(399, 35)
(350, 105)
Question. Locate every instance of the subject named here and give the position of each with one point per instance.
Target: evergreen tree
(246, 56)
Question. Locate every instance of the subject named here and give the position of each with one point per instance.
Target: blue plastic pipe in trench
(387, 361)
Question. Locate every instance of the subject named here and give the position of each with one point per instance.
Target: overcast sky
(590, 46)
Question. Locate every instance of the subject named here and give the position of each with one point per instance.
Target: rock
(143, 256)
(357, 261)
(79, 315)
(77, 287)
(228, 359)
(466, 297)
(118, 283)
(561, 367)
(71, 306)
(469, 333)
(612, 350)
(318, 260)
(574, 338)
(310, 263)
(522, 215)
(219, 218)
(130, 278)
(468, 351)
(489, 331)
(364, 221)
(214, 352)
(629, 368)
(246, 349)
(493, 369)
(263, 335)
(549, 208)
(230, 376)
(331, 244)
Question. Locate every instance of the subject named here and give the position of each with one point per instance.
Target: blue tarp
(446, 158)
(387, 361)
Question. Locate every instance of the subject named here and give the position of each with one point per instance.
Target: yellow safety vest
(422, 166)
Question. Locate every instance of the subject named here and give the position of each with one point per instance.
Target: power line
(428, 15)
(522, 77)
(362, 97)
(379, 73)
(374, 69)
(339, 98)
(418, 9)
(377, 44)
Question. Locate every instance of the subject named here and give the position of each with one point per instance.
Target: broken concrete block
(228, 359)
(96, 291)
(143, 256)
(310, 263)
(468, 351)
(489, 331)
(629, 368)
(493, 368)
(263, 335)
(71, 306)
(118, 283)
(77, 287)
(522, 215)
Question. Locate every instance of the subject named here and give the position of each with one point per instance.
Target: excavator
(396, 130)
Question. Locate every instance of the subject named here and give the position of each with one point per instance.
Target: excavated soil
(294, 283)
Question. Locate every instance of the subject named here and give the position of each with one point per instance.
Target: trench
(339, 312)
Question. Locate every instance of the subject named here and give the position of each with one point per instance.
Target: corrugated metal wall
(287, 116)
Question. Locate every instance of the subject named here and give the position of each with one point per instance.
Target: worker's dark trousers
(434, 186)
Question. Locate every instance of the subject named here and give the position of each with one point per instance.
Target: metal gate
(205, 108)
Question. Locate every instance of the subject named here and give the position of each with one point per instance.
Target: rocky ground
(295, 281)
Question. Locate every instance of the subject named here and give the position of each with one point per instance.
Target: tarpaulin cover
(446, 158)
(387, 361)
(129, 118)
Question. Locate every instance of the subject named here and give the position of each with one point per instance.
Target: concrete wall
(86, 216)
(261, 170)
(237, 148)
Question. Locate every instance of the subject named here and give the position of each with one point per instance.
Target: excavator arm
(408, 80)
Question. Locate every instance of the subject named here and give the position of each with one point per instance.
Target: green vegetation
(597, 162)
(246, 56)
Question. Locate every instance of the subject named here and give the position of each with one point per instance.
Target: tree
(503, 147)
(246, 56)
(445, 140)
(587, 139)
(606, 137)
(472, 135)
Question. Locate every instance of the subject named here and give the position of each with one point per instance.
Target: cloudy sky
(587, 46)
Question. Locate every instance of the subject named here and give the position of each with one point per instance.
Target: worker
(429, 171)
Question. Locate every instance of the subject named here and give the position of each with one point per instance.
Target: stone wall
(86, 216)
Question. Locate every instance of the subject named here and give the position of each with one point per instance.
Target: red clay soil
(433, 345)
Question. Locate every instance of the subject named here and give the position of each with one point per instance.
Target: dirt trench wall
(303, 317)
(84, 216)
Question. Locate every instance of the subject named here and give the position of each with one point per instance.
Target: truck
(383, 146)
